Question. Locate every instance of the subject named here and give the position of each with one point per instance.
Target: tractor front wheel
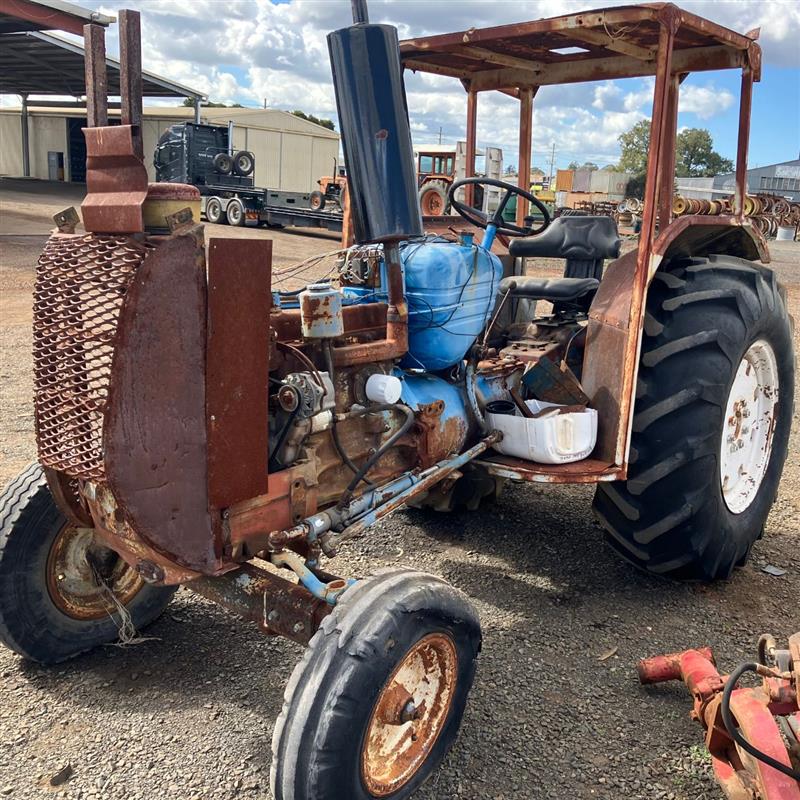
(711, 420)
(61, 592)
(377, 701)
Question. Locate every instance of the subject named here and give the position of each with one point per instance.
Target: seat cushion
(586, 238)
(554, 289)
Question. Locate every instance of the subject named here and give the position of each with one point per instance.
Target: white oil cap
(383, 388)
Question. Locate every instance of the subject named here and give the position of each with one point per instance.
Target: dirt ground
(189, 713)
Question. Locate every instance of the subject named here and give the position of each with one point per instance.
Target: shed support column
(130, 79)
(26, 152)
(197, 111)
(94, 37)
(666, 175)
(744, 139)
(472, 142)
(525, 132)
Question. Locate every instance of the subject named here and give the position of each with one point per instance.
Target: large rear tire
(377, 701)
(51, 605)
(711, 421)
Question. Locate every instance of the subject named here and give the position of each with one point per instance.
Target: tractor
(196, 427)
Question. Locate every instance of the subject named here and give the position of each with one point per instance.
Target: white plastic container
(557, 439)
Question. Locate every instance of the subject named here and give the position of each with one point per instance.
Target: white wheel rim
(749, 423)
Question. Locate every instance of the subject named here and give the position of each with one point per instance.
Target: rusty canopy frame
(629, 41)
(657, 39)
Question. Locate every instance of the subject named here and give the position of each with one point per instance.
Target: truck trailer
(203, 156)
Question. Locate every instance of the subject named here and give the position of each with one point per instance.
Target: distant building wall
(782, 179)
(291, 153)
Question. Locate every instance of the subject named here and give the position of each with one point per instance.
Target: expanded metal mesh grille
(81, 282)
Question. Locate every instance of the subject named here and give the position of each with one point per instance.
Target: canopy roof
(45, 15)
(602, 44)
(33, 62)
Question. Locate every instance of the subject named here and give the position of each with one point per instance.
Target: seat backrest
(572, 238)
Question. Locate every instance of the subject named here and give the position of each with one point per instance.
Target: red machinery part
(758, 715)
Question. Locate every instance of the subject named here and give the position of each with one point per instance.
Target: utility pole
(440, 134)
(552, 161)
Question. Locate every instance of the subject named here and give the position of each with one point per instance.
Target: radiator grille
(81, 282)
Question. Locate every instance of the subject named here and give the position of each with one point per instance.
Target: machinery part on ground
(376, 135)
(753, 735)
(61, 593)
(711, 420)
(244, 162)
(214, 212)
(316, 201)
(223, 163)
(433, 199)
(234, 212)
(361, 727)
(482, 220)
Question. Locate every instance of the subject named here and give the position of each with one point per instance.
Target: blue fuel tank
(451, 291)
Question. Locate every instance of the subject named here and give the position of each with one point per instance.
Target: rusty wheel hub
(82, 575)
(409, 715)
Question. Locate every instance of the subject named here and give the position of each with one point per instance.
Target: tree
(635, 145)
(695, 156)
(590, 165)
(325, 123)
(208, 104)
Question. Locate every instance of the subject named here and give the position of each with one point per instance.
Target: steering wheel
(477, 217)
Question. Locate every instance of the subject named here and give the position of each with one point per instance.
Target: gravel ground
(189, 712)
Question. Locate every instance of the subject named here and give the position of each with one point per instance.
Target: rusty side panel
(155, 423)
(116, 181)
(237, 373)
(608, 352)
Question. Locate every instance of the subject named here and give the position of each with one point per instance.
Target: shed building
(290, 153)
(782, 179)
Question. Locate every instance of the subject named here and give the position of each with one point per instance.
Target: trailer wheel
(234, 212)
(378, 698)
(57, 582)
(317, 201)
(223, 163)
(711, 420)
(244, 163)
(214, 211)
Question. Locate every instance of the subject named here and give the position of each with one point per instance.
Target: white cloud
(248, 50)
(704, 101)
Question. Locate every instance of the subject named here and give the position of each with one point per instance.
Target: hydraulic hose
(733, 731)
(381, 451)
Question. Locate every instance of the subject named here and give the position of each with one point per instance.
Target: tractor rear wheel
(433, 199)
(61, 591)
(711, 420)
(377, 701)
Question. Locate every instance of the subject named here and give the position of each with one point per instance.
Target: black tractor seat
(556, 290)
(572, 238)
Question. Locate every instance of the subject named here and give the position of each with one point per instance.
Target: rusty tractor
(196, 427)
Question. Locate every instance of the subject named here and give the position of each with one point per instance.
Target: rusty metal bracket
(116, 180)
(66, 220)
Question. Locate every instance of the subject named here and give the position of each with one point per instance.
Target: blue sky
(277, 51)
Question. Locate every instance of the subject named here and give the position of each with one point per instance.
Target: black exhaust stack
(371, 101)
